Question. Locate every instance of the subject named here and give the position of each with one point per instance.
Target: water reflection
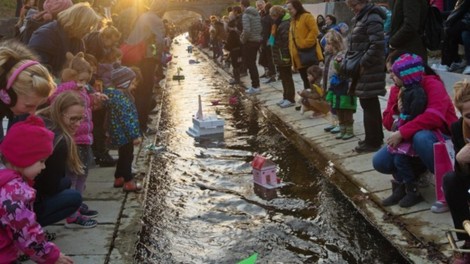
(202, 206)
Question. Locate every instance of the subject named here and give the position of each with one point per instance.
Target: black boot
(398, 192)
(412, 196)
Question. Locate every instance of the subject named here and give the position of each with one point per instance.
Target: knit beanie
(54, 7)
(409, 68)
(27, 142)
(122, 76)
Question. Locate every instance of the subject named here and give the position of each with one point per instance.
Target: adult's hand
(63, 259)
(394, 139)
(463, 157)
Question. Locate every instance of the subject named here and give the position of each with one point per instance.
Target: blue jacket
(51, 43)
(122, 120)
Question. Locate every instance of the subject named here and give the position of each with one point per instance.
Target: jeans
(55, 208)
(250, 50)
(385, 162)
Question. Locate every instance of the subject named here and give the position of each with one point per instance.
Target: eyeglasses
(75, 119)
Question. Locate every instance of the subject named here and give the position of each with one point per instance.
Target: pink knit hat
(27, 142)
(54, 7)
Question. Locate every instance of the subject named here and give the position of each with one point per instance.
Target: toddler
(123, 124)
(23, 152)
(314, 98)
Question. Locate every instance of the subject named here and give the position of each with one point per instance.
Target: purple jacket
(19, 229)
(84, 134)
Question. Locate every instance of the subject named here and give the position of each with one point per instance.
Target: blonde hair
(461, 93)
(110, 32)
(78, 20)
(54, 112)
(277, 10)
(335, 39)
(34, 79)
(75, 65)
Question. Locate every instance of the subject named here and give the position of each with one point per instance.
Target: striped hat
(409, 68)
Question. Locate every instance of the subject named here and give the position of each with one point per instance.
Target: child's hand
(101, 97)
(137, 141)
(63, 259)
(394, 139)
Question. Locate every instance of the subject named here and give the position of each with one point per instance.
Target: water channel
(201, 203)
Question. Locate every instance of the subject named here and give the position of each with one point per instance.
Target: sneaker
(366, 148)
(85, 211)
(270, 80)
(335, 130)
(132, 186)
(329, 128)
(50, 236)
(253, 90)
(286, 104)
(118, 182)
(466, 70)
(440, 67)
(439, 207)
(281, 102)
(80, 222)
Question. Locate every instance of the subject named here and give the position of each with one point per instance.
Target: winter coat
(122, 119)
(414, 101)
(84, 133)
(367, 35)
(51, 43)
(251, 26)
(50, 180)
(408, 20)
(150, 29)
(439, 113)
(459, 142)
(233, 38)
(19, 230)
(280, 50)
(266, 23)
(305, 31)
(95, 46)
(337, 93)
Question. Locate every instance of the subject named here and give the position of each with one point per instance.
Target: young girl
(55, 200)
(407, 72)
(101, 43)
(338, 86)
(123, 125)
(75, 77)
(23, 152)
(313, 98)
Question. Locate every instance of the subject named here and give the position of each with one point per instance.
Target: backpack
(434, 34)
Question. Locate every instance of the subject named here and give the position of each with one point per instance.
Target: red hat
(27, 142)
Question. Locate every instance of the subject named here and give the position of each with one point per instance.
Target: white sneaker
(466, 70)
(253, 90)
(280, 102)
(440, 67)
(286, 104)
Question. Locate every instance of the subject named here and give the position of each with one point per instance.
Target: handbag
(133, 54)
(307, 56)
(352, 63)
(444, 159)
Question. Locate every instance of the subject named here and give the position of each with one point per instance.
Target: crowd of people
(77, 80)
(343, 64)
(81, 78)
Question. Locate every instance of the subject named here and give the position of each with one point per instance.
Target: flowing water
(202, 206)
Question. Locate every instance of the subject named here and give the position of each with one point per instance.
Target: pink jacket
(19, 229)
(84, 134)
(439, 113)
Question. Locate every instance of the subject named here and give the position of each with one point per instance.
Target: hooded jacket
(251, 26)
(281, 54)
(18, 227)
(367, 35)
